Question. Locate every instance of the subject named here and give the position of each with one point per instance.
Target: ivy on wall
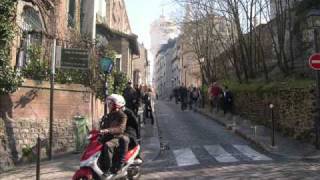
(10, 79)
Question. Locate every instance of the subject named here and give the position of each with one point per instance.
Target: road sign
(72, 58)
(106, 65)
(314, 61)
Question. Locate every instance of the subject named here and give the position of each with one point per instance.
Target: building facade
(161, 30)
(24, 114)
(109, 25)
(141, 67)
(166, 68)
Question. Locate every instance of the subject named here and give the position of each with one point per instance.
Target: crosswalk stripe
(220, 154)
(185, 157)
(252, 154)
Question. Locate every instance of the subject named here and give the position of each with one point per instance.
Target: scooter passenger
(113, 127)
(132, 132)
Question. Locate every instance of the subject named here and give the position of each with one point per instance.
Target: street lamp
(313, 20)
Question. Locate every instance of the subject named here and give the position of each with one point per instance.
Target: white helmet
(117, 99)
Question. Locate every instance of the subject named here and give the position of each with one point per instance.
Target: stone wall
(292, 110)
(25, 115)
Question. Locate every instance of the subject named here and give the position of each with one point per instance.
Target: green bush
(10, 80)
(36, 68)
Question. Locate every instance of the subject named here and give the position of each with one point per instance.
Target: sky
(143, 12)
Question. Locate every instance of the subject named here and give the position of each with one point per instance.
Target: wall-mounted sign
(72, 58)
(106, 65)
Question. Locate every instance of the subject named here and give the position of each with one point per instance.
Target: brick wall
(25, 115)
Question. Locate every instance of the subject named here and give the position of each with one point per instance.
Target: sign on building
(72, 58)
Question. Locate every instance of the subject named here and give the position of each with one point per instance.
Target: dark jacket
(115, 122)
(130, 95)
(132, 128)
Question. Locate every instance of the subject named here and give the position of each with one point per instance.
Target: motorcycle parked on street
(90, 168)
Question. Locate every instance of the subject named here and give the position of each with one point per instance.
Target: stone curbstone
(253, 140)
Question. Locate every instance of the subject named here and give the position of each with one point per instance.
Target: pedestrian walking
(227, 100)
(130, 95)
(148, 105)
(138, 101)
(215, 92)
(183, 96)
(194, 96)
(176, 94)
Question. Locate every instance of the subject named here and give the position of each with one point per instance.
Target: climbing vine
(10, 79)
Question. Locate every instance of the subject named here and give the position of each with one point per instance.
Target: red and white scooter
(89, 164)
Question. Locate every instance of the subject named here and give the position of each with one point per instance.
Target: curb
(154, 145)
(253, 141)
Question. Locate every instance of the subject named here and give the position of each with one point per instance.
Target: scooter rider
(113, 127)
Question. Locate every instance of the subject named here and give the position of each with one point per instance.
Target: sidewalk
(64, 167)
(261, 136)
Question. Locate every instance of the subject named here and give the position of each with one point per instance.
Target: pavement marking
(220, 154)
(185, 157)
(252, 154)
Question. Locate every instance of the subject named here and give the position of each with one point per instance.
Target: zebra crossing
(219, 154)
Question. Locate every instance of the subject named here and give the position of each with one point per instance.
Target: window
(31, 22)
(118, 63)
(71, 13)
(82, 15)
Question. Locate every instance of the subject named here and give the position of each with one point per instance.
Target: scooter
(89, 163)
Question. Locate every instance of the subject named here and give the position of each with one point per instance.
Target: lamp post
(313, 20)
(271, 106)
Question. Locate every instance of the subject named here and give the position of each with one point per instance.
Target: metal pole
(273, 126)
(317, 119)
(38, 158)
(51, 97)
(106, 95)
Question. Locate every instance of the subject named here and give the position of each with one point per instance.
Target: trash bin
(81, 132)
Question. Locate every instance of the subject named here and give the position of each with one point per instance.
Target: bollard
(273, 125)
(38, 158)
